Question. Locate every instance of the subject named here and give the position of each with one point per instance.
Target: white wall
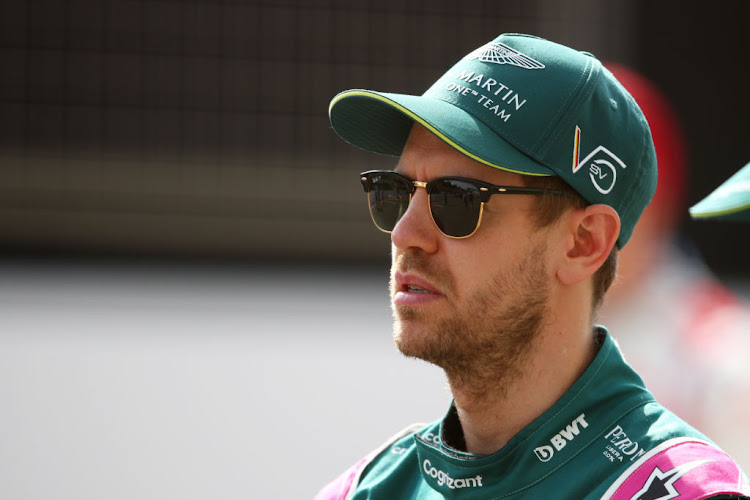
(157, 382)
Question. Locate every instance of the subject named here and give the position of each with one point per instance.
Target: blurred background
(193, 298)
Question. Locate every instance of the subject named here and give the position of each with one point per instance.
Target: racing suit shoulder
(673, 460)
(345, 484)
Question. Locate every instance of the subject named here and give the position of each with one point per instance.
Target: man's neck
(492, 412)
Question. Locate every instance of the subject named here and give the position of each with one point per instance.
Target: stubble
(482, 342)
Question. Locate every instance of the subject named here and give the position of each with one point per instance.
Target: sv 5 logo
(601, 164)
(559, 440)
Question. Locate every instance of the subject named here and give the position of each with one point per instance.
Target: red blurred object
(669, 141)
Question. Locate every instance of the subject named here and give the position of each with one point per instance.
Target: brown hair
(550, 208)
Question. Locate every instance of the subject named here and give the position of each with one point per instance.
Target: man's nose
(416, 229)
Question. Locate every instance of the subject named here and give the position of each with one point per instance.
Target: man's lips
(411, 290)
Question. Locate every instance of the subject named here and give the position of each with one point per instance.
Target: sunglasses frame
(485, 190)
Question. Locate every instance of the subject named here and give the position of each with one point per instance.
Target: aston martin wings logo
(499, 53)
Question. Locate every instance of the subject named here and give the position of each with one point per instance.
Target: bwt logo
(559, 440)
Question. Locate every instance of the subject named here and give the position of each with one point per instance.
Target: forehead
(426, 157)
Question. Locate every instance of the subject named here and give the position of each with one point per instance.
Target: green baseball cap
(525, 105)
(730, 201)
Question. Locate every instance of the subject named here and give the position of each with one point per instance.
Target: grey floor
(150, 381)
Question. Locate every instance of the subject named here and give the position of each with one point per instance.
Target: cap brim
(380, 122)
(730, 201)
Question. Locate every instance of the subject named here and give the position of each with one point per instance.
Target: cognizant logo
(444, 479)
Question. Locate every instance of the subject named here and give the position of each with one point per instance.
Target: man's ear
(590, 235)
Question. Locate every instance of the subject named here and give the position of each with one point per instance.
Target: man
(730, 201)
(522, 171)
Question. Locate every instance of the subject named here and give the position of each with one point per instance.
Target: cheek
(473, 266)
(478, 261)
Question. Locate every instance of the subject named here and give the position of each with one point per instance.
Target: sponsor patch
(446, 480)
(545, 452)
(681, 467)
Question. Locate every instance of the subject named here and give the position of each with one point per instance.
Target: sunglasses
(456, 203)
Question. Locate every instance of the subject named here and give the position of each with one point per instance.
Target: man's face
(468, 305)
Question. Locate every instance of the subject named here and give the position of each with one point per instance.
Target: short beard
(483, 346)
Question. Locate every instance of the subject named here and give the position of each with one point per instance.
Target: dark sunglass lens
(455, 206)
(388, 196)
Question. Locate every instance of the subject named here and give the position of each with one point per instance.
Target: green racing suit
(605, 438)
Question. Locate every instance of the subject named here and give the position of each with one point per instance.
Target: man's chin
(410, 350)
(414, 339)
